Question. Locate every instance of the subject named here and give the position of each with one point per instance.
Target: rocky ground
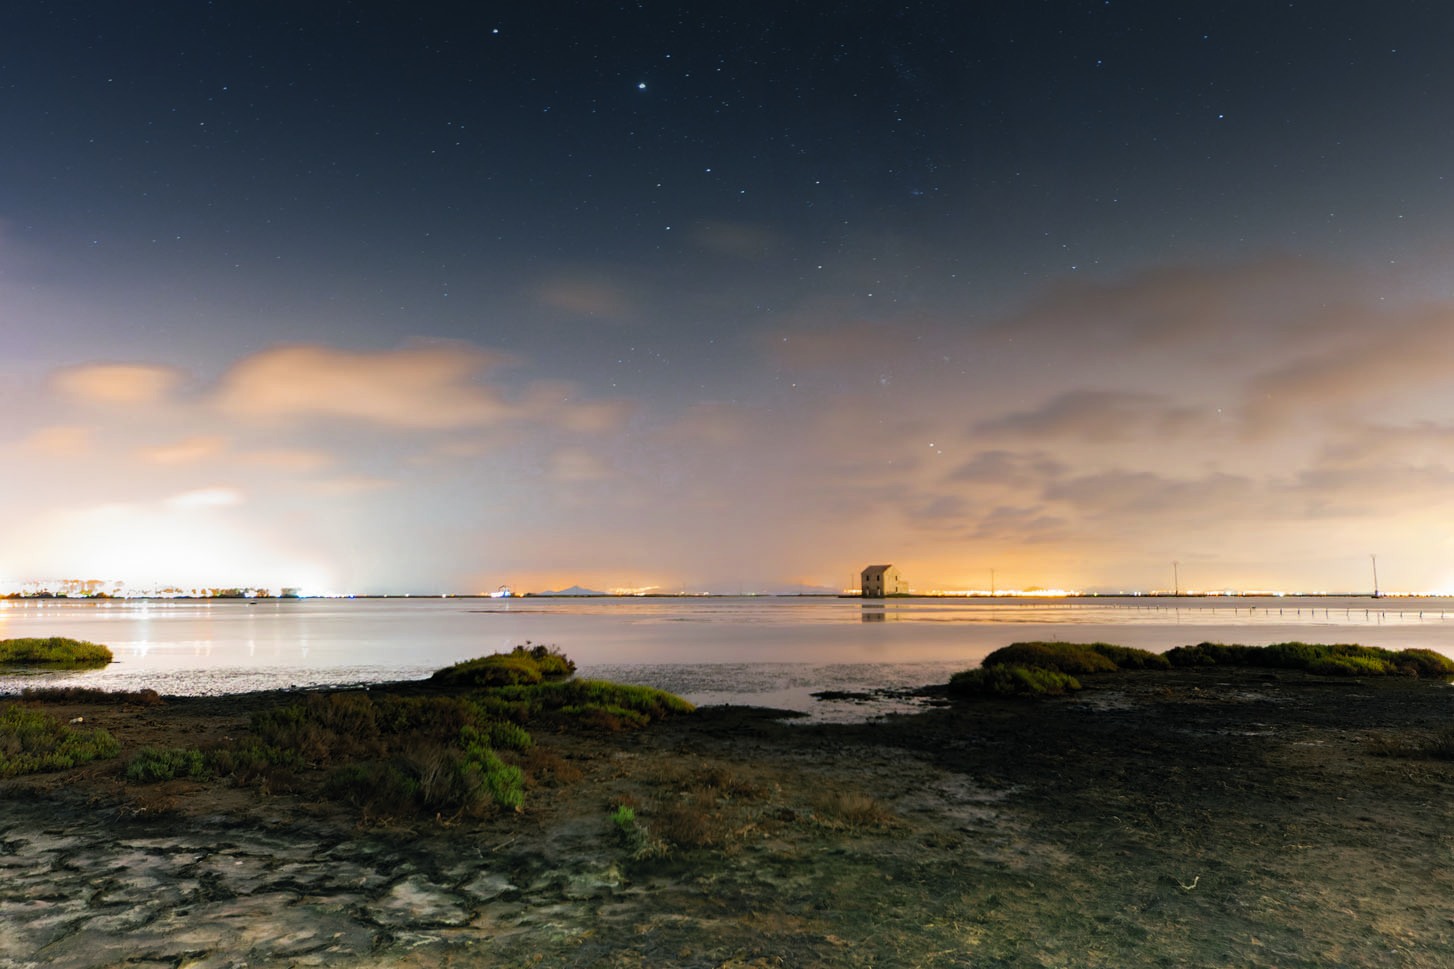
(1186, 818)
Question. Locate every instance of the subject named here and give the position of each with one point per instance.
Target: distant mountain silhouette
(574, 590)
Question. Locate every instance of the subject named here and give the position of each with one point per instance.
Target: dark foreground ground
(1187, 818)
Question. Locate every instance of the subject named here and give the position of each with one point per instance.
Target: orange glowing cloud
(414, 388)
(60, 442)
(189, 451)
(118, 383)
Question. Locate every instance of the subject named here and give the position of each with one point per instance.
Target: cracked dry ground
(1191, 818)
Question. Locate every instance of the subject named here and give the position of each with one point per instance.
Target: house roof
(876, 570)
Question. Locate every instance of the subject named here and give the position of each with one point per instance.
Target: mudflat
(1204, 817)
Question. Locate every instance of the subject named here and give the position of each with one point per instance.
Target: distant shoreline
(46, 597)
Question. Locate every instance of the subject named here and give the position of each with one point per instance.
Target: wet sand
(1185, 818)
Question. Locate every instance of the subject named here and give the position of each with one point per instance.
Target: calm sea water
(771, 651)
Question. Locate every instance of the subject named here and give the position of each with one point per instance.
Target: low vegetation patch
(32, 741)
(526, 664)
(1021, 681)
(446, 754)
(1031, 669)
(594, 703)
(1051, 668)
(1077, 659)
(53, 651)
(151, 765)
(1335, 659)
(1073, 658)
(1130, 658)
(86, 694)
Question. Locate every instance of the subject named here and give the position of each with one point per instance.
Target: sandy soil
(1189, 818)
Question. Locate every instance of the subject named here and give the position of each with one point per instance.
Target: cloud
(576, 465)
(219, 497)
(353, 484)
(1383, 446)
(739, 240)
(117, 383)
(1127, 495)
(1096, 415)
(189, 451)
(590, 296)
(1378, 356)
(1272, 301)
(68, 441)
(289, 459)
(414, 388)
(1009, 469)
(433, 387)
(559, 403)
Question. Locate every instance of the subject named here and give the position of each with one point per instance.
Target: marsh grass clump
(1324, 659)
(523, 665)
(850, 809)
(1017, 681)
(388, 755)
(87, 694)
(53, 651)
(634, 834)
(1076, 659)
(457, 746)
(151, 765)
(594, 703)
(1130, 658)
(1033, 669)
(33, 741)
(1424, 663)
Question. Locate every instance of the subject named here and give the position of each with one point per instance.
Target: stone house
(882, 580)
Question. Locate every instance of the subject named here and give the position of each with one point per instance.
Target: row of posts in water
(1297, 612)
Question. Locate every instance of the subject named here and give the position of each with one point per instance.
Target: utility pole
(1374, 560)
(1176, 578)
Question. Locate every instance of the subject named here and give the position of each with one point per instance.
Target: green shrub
(1074, 658)
(636, 705)
(53, 651)
(440, 717)
(151, 764)
(501, 669)
(610, 719)
(503, 735)
(32, 741)
(506, 782)
(1324, 659)
(380, 788)
(437, 754)
(86, 694)
(249, 758)
(1424, 662)
(1130, 658)
(1002, 680)
(522, 665)
(1213, 654)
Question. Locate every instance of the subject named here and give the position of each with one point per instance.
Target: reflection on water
(748, 648)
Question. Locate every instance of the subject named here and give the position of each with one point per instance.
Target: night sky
(440, 297)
